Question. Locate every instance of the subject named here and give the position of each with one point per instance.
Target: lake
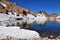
(48, 28)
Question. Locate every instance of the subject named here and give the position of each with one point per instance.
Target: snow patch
(41, 19)
(17, 33)
(58, 16)
(3, 4)
(30, 18)
(3, 17)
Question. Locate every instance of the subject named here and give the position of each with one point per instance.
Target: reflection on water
(48, 29)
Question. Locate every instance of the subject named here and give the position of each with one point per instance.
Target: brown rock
(12, 7)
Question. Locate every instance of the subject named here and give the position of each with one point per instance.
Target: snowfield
(17, 33)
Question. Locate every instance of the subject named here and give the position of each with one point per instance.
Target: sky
(49, 6)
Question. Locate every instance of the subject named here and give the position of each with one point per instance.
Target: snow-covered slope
(17, 33)
(5, 20)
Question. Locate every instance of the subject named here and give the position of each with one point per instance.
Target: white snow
(6, 20)
(30, 18)
(58, 16)
(10, 19)
(3, 17)
(41, 18)
(3, 4)
(17, 33)
(11, 15)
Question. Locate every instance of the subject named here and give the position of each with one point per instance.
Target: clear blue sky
(50, 6)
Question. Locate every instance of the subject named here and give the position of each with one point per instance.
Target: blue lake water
(49, 28)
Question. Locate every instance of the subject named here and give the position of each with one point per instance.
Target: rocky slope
(6, 7)
(11, 8)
